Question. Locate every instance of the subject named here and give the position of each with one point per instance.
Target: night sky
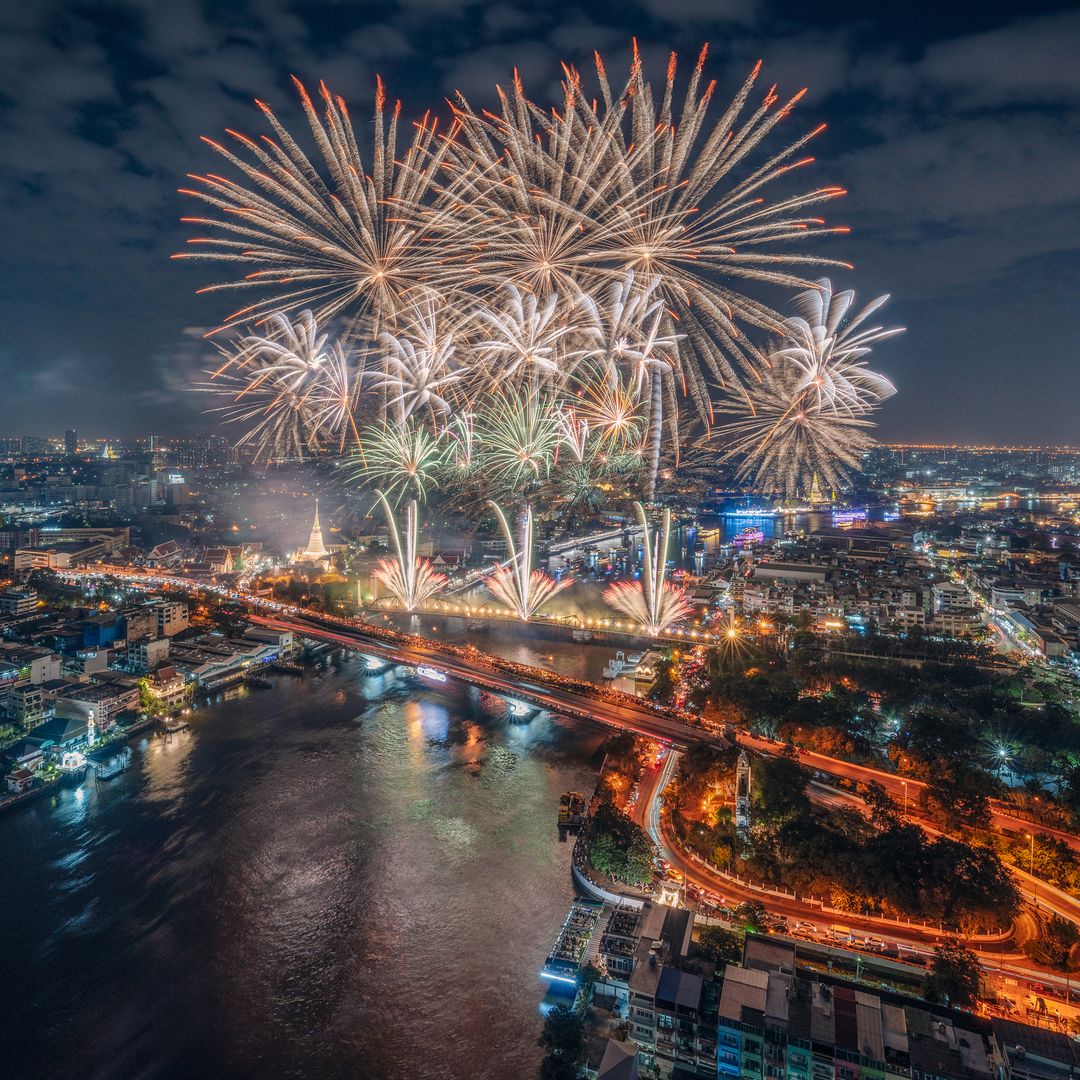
(955, 128)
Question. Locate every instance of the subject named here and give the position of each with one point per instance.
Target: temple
(316, 549)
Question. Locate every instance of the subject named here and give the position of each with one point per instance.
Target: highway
(584, 700)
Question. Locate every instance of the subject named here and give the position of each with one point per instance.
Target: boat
(849, 517)
(750, 535)
(617, 666)
(175, 723)
(572, 806)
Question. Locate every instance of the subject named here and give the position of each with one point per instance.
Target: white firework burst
(826, 346)
(292, 389)
(521, 588)
(417, 371)
(523, 337)
(786, 442)
(573, 431)
(652, 603)
(410, 579)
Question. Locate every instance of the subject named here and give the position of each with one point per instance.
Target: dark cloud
(957, 138)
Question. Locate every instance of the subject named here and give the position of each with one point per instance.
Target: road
(903, 790)
(1000, 959)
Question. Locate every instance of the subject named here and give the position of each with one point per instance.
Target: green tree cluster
(619, 847)
(563, 1040)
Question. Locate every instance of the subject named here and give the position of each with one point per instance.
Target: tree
(780, 787)
(149, 701)
(957, 794)
(1054, 946)
(586, 979)
(563, 1037)
(558, 1068)
(620, 847)
(883, 811)
(755, 918)
(954, 975)
(720, 945)
(663, 686)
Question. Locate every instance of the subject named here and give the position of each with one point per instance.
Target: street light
(903, 783)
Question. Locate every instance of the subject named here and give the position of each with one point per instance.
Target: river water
(338, 877)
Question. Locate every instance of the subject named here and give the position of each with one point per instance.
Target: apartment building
(775, 1024)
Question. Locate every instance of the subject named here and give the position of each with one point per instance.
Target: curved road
(999, 958)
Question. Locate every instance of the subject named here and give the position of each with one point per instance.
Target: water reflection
(342, 877)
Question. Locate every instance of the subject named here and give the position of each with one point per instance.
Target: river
(338, 877)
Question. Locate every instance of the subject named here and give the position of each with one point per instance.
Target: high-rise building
(71, 442)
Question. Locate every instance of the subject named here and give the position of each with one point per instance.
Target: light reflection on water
(338, 878)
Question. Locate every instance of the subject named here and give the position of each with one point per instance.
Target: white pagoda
(316, 550)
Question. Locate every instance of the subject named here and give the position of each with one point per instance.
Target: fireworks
(416, 366)
(523, 336)
(565, 200)
(410, 579)
(807, 424)
(521, 588)
(352, 240)
(293, 391)
(573, 432)
(652, 603)
(542, 291)
(402, 459)
(613, 411)
(518, 440)
(789, 444)
(822, 345)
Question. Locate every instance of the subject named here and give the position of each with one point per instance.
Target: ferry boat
(749, 536)
(849, 517)
(621, 664)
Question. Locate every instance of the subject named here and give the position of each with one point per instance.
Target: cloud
(959, 148)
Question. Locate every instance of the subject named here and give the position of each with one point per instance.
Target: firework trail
(521, 588)
(651, 603)
(410, 579)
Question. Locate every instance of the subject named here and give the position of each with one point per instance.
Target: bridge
(539, 686)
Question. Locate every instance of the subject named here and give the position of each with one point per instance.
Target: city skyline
(932, 134)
